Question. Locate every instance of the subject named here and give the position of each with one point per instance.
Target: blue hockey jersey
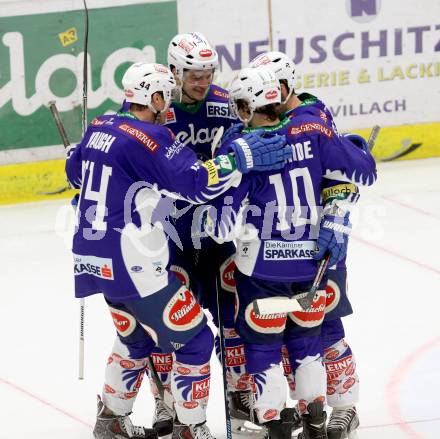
(195, 126)
(346, 195)
(275, 216)
(123, 167)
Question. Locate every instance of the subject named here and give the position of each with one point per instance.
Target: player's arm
(74, 161)
(225, 216)
(178, 171)
(338, 198)
(342, 160)
(232, 132)
(228, 138)
(74, 166)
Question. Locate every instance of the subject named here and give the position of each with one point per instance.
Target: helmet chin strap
(156, 113)
(288, 96)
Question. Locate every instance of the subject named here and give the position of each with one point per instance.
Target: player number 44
(100, 195)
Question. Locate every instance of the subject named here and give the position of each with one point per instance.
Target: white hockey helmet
(142, 80)
(280, 64)
(191, 51)
(257, 86)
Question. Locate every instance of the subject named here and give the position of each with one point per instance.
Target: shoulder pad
(309, 125)
(105, 119)
(137, 131)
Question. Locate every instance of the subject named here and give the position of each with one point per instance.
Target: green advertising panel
(41, 59)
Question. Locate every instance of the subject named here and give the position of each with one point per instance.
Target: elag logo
(363, 11)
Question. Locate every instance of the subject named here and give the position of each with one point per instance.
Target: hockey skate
(343, 424)
(291, 416)
(313, 423)
(118, 427)
(239, 409)
(163, 418)
(284, 427)
(194, 431)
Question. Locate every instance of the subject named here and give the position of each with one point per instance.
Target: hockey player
(123, 165)
(199, 109)
(342, 378)
(278, 214)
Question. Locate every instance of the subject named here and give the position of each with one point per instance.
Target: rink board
(380, 65)
(32, 181)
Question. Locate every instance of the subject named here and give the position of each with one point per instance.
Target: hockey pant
(237, 377)
(197, 269)
(190, 372)
(263, 337)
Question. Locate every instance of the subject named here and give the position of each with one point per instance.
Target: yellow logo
(68, 37)
(338, 190)
(212, 172)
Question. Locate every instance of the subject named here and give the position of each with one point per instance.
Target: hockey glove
(232, 131)
(359, 141)
(333, 238)
(254, 152)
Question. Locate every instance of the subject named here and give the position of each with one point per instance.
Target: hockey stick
(373, 136)
(62, 132)
(223, 360)
(85, 68)
(56, 116)
(300, 302)
(216, 140)
(82, 302)
(164, 395)
(58, 122)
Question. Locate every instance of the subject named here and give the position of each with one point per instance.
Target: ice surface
(394, 285)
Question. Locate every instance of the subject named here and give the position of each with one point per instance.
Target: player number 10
(299, 218)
